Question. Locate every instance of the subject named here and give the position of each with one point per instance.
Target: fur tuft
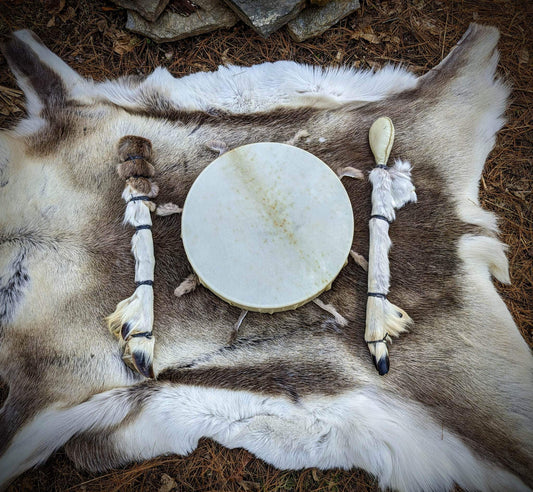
(396, 319)
(359, 259)
(135, 312)
(188, 285)
(487, 254)
(350, 172)
(141, 185)
(384, 318)
(134, 145)
(402, 189)
(135, 168)
(168, 209)
(339, 318)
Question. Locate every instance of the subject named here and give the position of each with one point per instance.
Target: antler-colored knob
(381, 138)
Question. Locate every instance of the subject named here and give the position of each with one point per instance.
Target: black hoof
(125, 331)
(383, 365)
(142, 364)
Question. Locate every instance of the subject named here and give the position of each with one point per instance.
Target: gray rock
(314, 20)
(149, 9)
(266, 16)
(211, 15)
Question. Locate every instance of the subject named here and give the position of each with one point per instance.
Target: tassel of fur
(188, 285)
(133, 318)
(236, 326)
(339, 318)
(350, 172)
(359, 259)
(168, 209)
(391, 189)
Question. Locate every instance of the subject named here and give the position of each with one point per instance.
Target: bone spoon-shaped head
(381, 138)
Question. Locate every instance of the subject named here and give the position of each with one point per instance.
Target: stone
(266, 16)
(314, 20)
(149, 9)
(171, 26)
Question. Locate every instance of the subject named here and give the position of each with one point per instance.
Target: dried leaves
(124, 43)
(58, 11)
(367, 33)
(54, 6)
(10, 101)
(426, 24)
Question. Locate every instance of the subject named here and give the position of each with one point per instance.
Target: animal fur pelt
(298, 389)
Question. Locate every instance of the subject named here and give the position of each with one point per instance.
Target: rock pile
(170, 20)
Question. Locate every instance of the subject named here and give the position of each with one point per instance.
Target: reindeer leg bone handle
(132, 320)
(391, 188)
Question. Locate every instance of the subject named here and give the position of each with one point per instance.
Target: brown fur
(133, 145)
(135, 168)
(290, 354)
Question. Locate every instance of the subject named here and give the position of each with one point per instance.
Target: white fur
(53, 427)
(261, 87)
(138, 309)
(482, 256)
(489, 94)
(235, 89)
(402, 189)
(391, 189)
(70, 78)
(393, 439)
(486, 254)
(142, 245)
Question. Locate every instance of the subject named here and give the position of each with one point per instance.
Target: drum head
(267, 227)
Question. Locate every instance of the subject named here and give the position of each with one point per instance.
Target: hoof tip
(382, 365)
(142, 364)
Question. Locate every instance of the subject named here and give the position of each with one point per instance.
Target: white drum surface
(267, 227)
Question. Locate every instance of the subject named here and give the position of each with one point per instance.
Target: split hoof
(382, 365)
(142, 364)
(380, 354)
(138, 353)
(125, 331)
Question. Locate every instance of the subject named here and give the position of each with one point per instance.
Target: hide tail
(393, 439)
(53, 427)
